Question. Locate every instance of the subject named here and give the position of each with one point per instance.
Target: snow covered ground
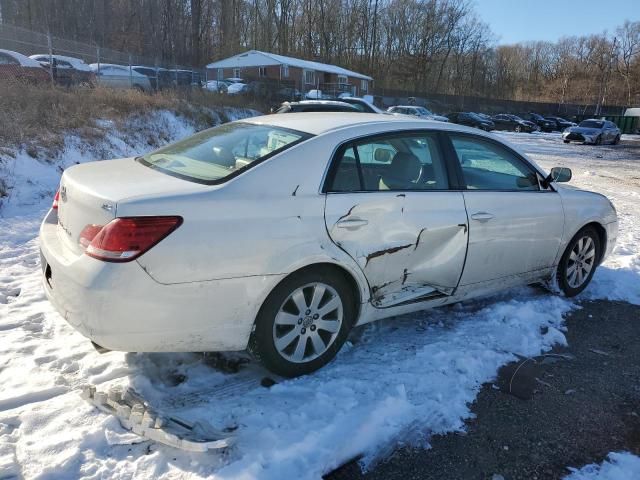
(618, 466)
(398, 382)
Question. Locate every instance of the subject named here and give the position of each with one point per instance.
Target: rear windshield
(222, 152)
(591, 124)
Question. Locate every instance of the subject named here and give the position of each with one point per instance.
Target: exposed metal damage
(387, 251)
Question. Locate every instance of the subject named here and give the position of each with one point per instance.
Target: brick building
(303, 75)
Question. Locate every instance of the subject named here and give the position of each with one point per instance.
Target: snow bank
(618, 466)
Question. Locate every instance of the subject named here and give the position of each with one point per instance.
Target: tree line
(433, 46)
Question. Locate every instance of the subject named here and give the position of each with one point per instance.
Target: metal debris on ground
(138, 417)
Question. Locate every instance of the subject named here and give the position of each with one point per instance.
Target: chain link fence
(70, 62)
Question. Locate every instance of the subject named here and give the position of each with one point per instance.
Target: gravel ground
(581, 406)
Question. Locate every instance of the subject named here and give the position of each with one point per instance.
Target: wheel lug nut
(307, 312)
(313, 328)
(316, 316)
(303, 331)
(299, 321)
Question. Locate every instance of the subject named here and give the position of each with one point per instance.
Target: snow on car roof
(77, 63)
(23, 59)
(256, 58)
(94, 67)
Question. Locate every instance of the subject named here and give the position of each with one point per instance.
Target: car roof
(23, 59)
(317, 123)
(320, 102)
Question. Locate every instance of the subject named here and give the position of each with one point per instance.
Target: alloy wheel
(581, 261)
(308, 322)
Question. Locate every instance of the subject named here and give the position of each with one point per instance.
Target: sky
(521, 20)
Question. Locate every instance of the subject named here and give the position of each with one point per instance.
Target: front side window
(285, 71)
(236, 73)
(489, 166)
(220, 152)
(364, 85)
(591, 124)
(399, 162)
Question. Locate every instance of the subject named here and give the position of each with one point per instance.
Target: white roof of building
(255, 58)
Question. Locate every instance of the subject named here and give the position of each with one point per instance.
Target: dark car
(289, 94)
(514, 123)
(560, 123)
(66, 71)
(316, 106)
(544, 124)
(149, 72)
(471, 120)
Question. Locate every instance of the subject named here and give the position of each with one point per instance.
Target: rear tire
(518, 129)
(599, 140)
(566, 141)
(304, 322)
(579, 262)
(617, 140)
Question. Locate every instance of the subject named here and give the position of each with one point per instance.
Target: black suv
(544, 124)
(560, 123)
(472, 120)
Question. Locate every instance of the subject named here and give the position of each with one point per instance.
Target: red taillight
(56, 198)
(124, 239)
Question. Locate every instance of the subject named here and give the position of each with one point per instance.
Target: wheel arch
(348, 276)
(602, 236)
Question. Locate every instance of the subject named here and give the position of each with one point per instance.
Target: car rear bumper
(120, 307)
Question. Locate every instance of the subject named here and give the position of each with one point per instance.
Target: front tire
(617, 140)
(599, 140)
(304, 322)
(579, 262)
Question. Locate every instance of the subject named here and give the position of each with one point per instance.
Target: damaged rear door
(388, 206)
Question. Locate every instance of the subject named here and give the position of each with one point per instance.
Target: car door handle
(352, 223)
(482, 216)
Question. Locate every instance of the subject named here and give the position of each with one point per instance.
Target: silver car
(280, 233)
(120, 76)
(417, 111)
(593, 131)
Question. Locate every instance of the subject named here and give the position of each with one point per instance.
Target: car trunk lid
(89, 193)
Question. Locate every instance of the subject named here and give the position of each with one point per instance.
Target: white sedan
(280, 233)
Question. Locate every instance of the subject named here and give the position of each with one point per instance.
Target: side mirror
(558, 175)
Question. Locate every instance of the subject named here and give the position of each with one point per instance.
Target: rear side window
(218, 153)
(488, 166)
(401, 162)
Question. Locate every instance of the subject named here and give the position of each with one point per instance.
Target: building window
(364, 85)
(262, 71)
(309, 77)
(220, 74)
(343, 80)
(236, 73)
(285, 71)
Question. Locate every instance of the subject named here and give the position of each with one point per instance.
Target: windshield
(423, 111)
(591, 124)
(215, 154)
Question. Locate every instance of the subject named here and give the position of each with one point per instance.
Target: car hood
(584, 130)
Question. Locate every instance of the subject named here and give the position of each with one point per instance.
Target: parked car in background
(417, 111)
(151, 73)
(67, 71)
(362, 105)
(561, 123)
(513, 123)
(288, 94)
(314, 94)
(15, 66)
(365, 219)
(471, 120)
(120, 76)
(593, 131)
(316, 106)
(544, 124)
(219, 86)
(238, 89)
